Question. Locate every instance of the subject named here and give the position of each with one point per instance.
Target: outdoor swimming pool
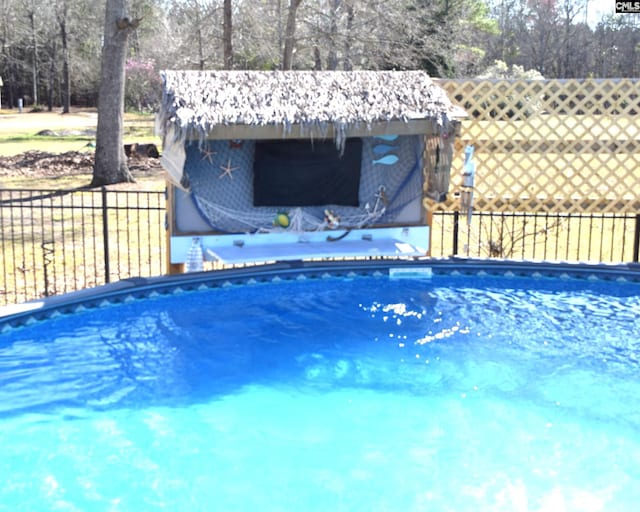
(335, 388)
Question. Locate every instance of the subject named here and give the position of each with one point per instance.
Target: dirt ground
(36, 164)
(39, 164)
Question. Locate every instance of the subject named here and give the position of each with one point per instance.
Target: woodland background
(50, 49)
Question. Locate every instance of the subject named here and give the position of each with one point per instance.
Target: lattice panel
(550, 145)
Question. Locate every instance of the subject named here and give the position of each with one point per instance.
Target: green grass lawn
(74, 131)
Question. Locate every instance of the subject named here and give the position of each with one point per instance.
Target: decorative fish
(387, 160)
(381, 149)
(386, 137)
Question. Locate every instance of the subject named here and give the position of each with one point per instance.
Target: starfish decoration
(227, 170)
(207, 153)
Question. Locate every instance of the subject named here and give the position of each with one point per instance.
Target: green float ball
(282, 220)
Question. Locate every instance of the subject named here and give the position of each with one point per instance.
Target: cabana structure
(287, 165)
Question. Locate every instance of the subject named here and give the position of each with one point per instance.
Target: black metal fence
(606, 237)
(54, 241)
(57, 241)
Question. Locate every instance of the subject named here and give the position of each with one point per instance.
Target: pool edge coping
(17, 315)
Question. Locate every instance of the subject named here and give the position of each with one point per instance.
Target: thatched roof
(202, 104)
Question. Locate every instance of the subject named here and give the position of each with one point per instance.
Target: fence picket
(551, 145)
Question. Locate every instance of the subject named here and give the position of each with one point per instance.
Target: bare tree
(227, 32)
(348, 42)
(332, 50)
(200, 37)
(510, 17)
(616, 43)
(289, 35)
(55, 45)
(196, 34)
(31, 12)
(52, 49)
(542, 34)
(61, 15)
(110, 161)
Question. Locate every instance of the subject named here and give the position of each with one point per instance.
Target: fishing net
(220, 176)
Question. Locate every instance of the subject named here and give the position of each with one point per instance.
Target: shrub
(143, 86)
(508, 107)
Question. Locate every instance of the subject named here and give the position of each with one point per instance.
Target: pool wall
(131, 289)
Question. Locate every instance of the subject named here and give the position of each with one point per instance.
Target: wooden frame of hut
(291, 165)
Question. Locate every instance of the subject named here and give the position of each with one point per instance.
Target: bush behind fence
(55, 241)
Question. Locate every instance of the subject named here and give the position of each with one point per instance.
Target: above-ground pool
(448, 386)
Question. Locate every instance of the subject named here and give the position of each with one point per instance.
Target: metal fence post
(456, 227)
(105, 235)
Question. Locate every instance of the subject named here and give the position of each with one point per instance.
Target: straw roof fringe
(196, 103)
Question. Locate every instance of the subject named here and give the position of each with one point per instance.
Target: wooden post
(172, 268)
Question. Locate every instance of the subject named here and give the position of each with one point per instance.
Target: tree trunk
(332, 54)
(200, 38)
(51, 81)
(110, 161)
(347, 63)
(62, 12)
(226, 35)
(66, 76)
(34, 54)
(289, 35)
(317, 59)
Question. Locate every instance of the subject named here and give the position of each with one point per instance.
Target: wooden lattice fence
(550, 145)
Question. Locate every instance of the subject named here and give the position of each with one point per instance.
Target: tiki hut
(291, 165)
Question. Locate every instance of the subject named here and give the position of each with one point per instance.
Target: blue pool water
(455, 393)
